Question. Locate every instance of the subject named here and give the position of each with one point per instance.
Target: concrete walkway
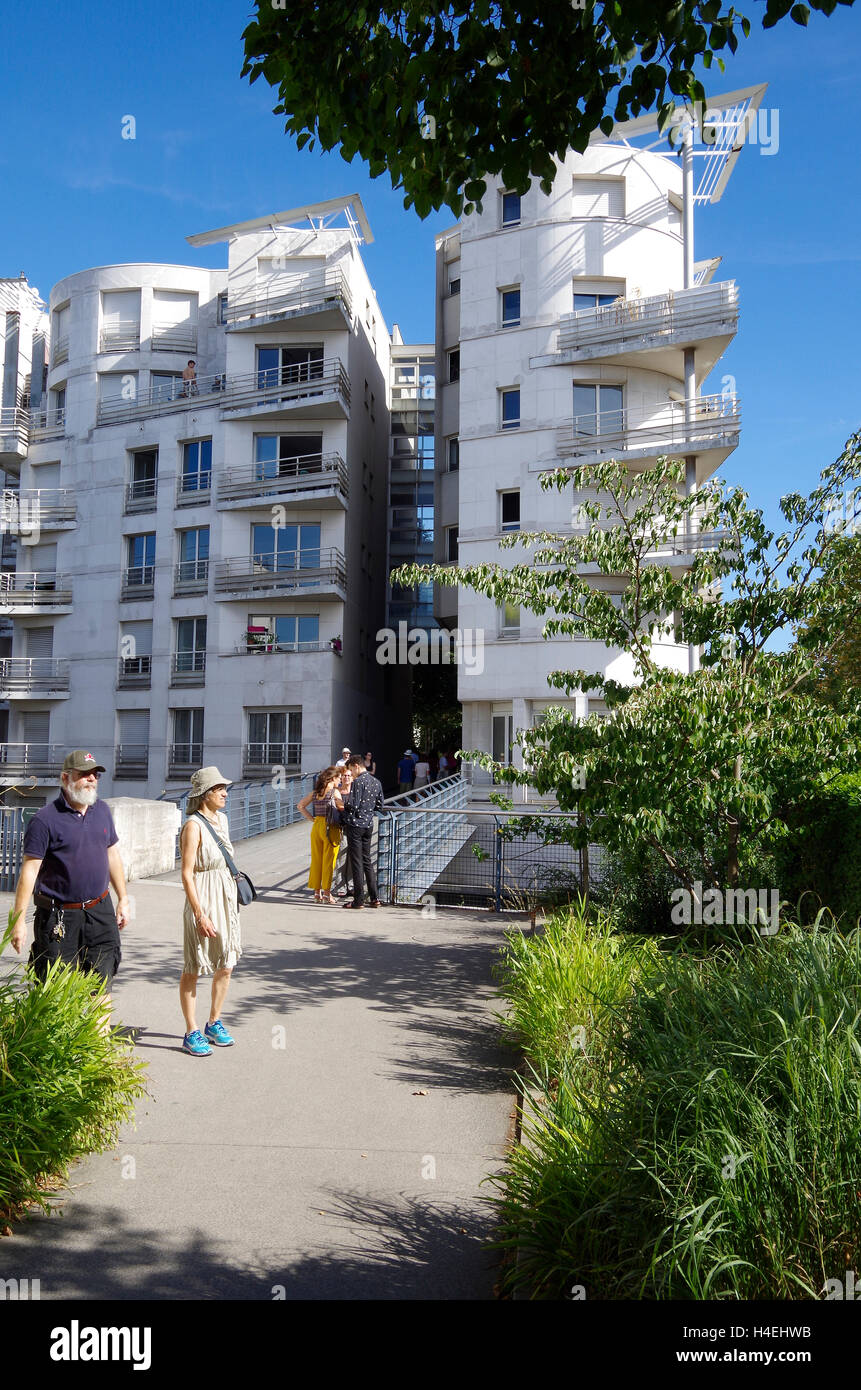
(302, 1159)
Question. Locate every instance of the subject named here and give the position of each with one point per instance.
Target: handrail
(269, 384)
(292, 294)
(707, 419)
(675, 311)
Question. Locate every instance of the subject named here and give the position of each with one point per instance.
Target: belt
(42, 900)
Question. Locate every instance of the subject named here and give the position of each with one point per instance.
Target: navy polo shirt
(73, 849)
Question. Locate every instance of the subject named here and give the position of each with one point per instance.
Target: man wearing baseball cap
(71, 859)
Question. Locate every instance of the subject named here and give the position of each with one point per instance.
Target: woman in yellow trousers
(325, 839)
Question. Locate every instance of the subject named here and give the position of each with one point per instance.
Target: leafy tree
(836, 647)
(436, 713)
(705, 767)
(443, 94)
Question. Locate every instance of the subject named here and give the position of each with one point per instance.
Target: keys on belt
(58, 910)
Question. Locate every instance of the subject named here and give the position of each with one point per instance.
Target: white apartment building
(571, 328)
(211, 571)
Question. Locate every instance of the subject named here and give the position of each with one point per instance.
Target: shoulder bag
(245, 891)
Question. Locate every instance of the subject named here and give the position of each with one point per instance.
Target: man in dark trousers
(360, 807)
(71, 857)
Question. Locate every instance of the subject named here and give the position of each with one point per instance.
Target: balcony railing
(266, 647)
(174, 337)
(138, 581)
(131, 760)
(287, 386)
(43, 760)
(192, 574)
(39, 589)
(122, 336)
(60, 352)
(291, 295)
(260, 758)
(288, 572)
(47, 423)
(135, 673)
(141, 495)
(709, 422)
(20, 674)
(678, 314)
(188, 668)
(193, 487)
(307, 473)
(184, 756)
(26, 511)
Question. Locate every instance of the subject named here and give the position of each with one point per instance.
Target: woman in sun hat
(211, 942)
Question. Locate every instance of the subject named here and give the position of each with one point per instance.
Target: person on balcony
(325, 837)
(189, 379)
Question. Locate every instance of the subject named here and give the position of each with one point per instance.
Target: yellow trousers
(324, 850)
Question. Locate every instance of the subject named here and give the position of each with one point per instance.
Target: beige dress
(216, 889)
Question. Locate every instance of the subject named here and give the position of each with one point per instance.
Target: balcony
(42, 761)
(174, 337)
(138, 582)
(33, 678)
(135, 673)
(193, 489)
(191, 577)
(653, 332)
(141, 495)
(184, 758)
(323, 296)
(708, 427)
(60, 352)
(312, 390)
(32, 510)
(14, 436)
(294, 574)
(265, 645)
(188, 668)
(41, 591)
(131, 761)
(122, 336)
(313, 480)
(49, 422)
(259, 759)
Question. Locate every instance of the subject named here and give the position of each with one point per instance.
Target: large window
(190, 645)
(283, 632)
(274, 738)
(197, 465)
(141, 558)
(286, 454)
(597, 410)
(286, 547)
(165, 386)
(144, 475)
(193, 555)
(187, 749)
(278, 366)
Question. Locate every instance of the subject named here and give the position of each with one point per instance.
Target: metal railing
(135, 672)
(131, 760)
(286, 572)
(44, 506)
(192, 573)
(184, 757)
(174, 337)
(253, 808)
(193, 487)
(460, 856)
(138, 581)
(12, 826)
(306, 473)
(60, 351)
(294, 294)
(266, 647)
(25, 673)
(38, 589)
(122, 336)
(141, 494)
(700, 312)
(32, 760)
(188, 667)
(709, 422)
(279, 386)
(260, 758)
(47, 422)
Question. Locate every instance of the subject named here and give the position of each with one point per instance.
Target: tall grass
(65, 1087)
(708, 1147)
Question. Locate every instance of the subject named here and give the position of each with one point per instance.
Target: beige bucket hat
(202, 782)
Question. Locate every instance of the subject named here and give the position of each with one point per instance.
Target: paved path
(301, 1157)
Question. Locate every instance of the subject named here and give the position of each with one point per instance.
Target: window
(121, 320)
(509, 510)
(132, 751)
(454, 285)
(222, 308)
(451, 544)
(193, 555)
(510, 408)
(454, 365)
(190, 652)
(598, 198)
(144, 475)
(510, 209)
(597, 410)
(510, 307)
(165, 386)
(593, 301)
(141, 557)
(135, 653)
(286, 547)
(509, 620)
(187, 748)
(453, 455)
(174, 321)
(196, 466)
(279, 366)
(274, 738)
(287, 455)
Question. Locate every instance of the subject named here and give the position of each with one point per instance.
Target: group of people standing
(418, 769)
(341, 809)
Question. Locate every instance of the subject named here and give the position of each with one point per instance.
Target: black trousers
(361, 864)
(91, 940)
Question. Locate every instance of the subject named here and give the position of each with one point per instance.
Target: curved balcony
(312, 480)
(653, 332)
(14, 436)
(312, 390)
(322, 296)
(707, 427)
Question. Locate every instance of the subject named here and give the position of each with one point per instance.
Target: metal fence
(255, 807)
(13, 820)
(459, 856)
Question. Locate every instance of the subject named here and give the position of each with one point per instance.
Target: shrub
(818, 864)
(707, 1148)
(65, 1087)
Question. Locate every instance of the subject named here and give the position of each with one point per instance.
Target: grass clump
(65, 1087)
(706, 1147)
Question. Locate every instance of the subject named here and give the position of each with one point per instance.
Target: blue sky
(209, 151)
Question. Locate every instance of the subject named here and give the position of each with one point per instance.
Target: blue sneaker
(218, 1034)
(196, 1044)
